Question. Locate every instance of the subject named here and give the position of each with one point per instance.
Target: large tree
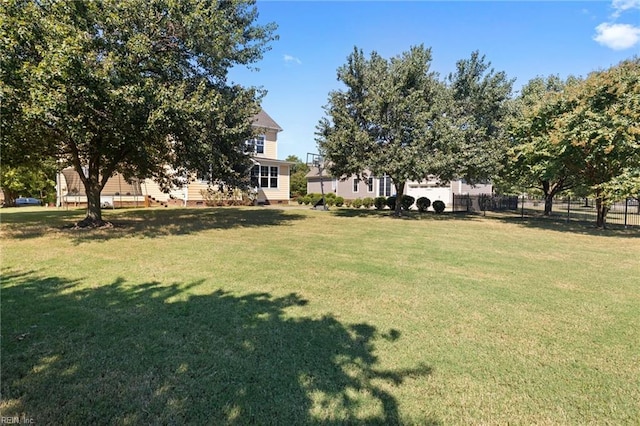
(137, 87)
(534, 161)
(598, 130)
(391, 119)
(482, 99)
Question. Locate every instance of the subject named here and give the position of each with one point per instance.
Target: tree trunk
(10, 197)
(602, 209)
(94, 213)
(399, 193)
(550, 191)
(548, 204)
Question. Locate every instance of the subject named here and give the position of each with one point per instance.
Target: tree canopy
(391, 119)
(137, 87)
(598, 129)
(581, 133)
(482, 100)
(534, 161)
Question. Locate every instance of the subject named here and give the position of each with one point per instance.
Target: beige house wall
(270, 144)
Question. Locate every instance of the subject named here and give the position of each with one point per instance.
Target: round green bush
(339, 201)
(357, 203)
(407, 201)
(380, 203)
(423, 204)
(391, 202)
(438, 206)
(315, 198)
(367, 202)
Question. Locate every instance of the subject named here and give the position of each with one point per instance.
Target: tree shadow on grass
(151, 354)
(406, 215)
(147, 223)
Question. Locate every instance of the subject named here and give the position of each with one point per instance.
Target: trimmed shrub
(380, 202)
(357, 203)
(423, 204)
(300, 200)
(438, 206)
(306, 200)
(315, 198)
(339, 201)
(391, 202)
(367, 202)
(348, 203)
(407, 201)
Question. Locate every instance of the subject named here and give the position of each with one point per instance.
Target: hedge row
(422, 203)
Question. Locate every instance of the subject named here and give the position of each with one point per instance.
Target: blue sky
(524, 39)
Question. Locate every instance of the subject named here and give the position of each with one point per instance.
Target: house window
(384, 189)
(370, 184)
(356, 181)
(256, 144)
(264, 177)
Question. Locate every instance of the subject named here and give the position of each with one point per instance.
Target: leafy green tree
(28, 181)
(482, 99)
(297, 176)
(137, 87)
(390, 120)
(598, 131)
(534, 161)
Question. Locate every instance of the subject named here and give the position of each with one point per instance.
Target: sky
(524, 39)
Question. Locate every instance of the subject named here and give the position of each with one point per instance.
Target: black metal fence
(484, 202)
(625, 212)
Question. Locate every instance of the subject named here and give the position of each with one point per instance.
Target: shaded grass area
(267, 316)
(121, 354)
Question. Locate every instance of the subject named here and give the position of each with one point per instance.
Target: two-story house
(269, 177)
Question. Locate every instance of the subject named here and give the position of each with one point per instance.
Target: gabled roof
(263, 121)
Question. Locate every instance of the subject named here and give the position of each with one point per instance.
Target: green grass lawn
(293, 316)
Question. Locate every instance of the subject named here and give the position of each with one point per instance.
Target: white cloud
(617, 36)
(624, 5)
(292, 59)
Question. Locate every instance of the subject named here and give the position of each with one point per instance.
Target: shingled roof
(263, 121)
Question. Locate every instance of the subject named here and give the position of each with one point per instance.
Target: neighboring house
(354, 187)
(269, 177)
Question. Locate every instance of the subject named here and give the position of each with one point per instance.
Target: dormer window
(256, 145)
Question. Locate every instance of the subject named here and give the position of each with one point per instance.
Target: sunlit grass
(268, 316)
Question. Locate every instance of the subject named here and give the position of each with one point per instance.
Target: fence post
(568, 207)
(626, 209)
(522, 208)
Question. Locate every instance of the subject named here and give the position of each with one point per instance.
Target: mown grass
(292, 316)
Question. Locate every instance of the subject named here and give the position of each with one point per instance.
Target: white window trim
(269, 177)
